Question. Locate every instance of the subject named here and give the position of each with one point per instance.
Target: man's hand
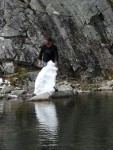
(39, 63)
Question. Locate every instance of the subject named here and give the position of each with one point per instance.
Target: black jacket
(48, 53)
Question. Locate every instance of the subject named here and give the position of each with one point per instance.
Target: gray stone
(62, 94)
(65, 88)
(41, 97)
(8, 67)
(10, 96)
(110, 83)
(105, 88)
(18, 92)
(7, 89)
(32, 75)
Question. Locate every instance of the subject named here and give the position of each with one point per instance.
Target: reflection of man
(48, 52)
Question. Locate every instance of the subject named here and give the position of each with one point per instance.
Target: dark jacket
(48, 53)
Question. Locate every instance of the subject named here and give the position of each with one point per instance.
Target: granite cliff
(82, 29)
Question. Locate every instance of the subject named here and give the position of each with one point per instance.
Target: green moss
(20, 72)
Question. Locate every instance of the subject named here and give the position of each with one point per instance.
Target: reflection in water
(47, 118)
(83, 124)
(5, 106)
(1, 106)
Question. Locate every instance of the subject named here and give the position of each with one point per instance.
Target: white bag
(46, 79)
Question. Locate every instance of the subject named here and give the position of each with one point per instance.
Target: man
(48, 52)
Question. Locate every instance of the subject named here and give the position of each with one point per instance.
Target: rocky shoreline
(23, 87)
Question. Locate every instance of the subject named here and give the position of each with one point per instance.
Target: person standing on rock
(48, 52)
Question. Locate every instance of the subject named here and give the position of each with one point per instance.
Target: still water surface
(84, 123)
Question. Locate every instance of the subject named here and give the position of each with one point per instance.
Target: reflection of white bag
(46, 115)
(46, 79)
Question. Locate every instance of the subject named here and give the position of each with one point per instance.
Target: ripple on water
(85, 123)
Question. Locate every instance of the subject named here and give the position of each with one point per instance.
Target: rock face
(82, 29)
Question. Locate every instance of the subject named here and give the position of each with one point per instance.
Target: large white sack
(46, 79)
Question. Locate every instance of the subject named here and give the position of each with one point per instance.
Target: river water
(82, 123)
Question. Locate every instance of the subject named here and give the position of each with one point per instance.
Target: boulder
(110, 83)
(105, 88)
(65, 88)
(41, 97)
(62, 94)
(18, 92)
(8, 67)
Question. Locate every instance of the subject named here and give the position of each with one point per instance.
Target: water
(85, 123)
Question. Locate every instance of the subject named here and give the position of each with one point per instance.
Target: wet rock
(62, 94)
(10, 96)
(83, 91)
(105, 88)
(41, 97)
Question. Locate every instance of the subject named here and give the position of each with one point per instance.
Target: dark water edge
(84, 123)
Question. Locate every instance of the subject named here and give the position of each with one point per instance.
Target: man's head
(48, 40)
